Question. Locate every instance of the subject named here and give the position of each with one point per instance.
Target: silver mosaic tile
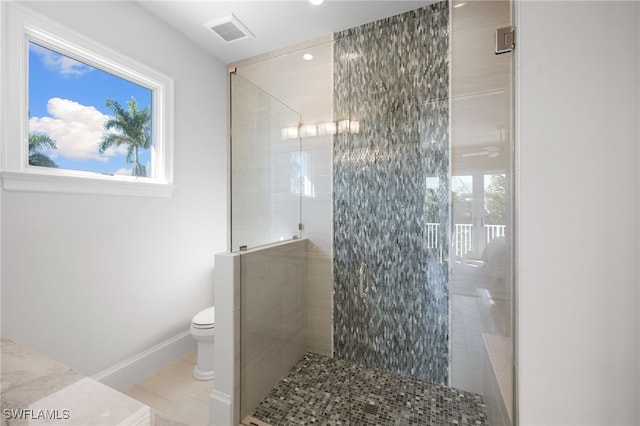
(325, 391)
(391, 178)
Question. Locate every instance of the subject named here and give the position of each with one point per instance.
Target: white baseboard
(220, 409)
(136, 368)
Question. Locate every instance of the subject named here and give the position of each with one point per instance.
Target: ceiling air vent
(229, 28)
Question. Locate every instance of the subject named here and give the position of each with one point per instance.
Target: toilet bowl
(203, 328)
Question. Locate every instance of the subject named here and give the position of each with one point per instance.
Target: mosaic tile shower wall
(391, 193)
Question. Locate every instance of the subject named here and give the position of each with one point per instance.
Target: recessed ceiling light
(316, 2)
(307, 56)
(459, 4)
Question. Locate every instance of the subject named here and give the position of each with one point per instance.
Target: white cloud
(60, 63)
(77, 130)
(123, 171)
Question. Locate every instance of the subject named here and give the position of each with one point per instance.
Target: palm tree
(39, 142)
(133, 130)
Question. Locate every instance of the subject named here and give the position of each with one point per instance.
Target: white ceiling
(480, 79)
(275, 24)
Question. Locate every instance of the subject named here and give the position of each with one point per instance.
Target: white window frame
(24, 26)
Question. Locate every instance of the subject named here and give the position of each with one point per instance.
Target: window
(83, 118)
(90, 120)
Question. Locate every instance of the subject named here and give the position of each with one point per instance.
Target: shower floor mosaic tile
(316, 392)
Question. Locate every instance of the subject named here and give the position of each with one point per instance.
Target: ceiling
(480, 91)
(275, 24)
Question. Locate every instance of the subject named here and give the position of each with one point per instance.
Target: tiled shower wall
(316, 217)
(272, 316)
(390, 180)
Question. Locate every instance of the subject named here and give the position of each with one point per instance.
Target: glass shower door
(481, 279)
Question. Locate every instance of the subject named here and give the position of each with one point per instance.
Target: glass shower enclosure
(265, 180)
(387, 160)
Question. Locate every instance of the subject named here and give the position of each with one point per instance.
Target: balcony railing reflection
(463, 236)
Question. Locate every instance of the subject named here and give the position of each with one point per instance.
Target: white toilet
(203, 329)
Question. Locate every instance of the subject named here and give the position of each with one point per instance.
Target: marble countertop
(39, 391)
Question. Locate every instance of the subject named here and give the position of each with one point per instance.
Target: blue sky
(67, 101)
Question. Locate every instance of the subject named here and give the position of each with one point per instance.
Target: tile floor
(317, 392)
(174, 392)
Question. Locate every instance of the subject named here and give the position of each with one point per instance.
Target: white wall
(578, 111)
(92, 280)
(2, 131)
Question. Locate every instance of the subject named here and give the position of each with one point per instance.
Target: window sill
(90, 185)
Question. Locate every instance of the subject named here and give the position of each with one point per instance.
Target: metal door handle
(364, 276)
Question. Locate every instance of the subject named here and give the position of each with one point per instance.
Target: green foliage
(39, 142)
(495, 199)
(461, 208)
(132, 129)
(431, 206)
